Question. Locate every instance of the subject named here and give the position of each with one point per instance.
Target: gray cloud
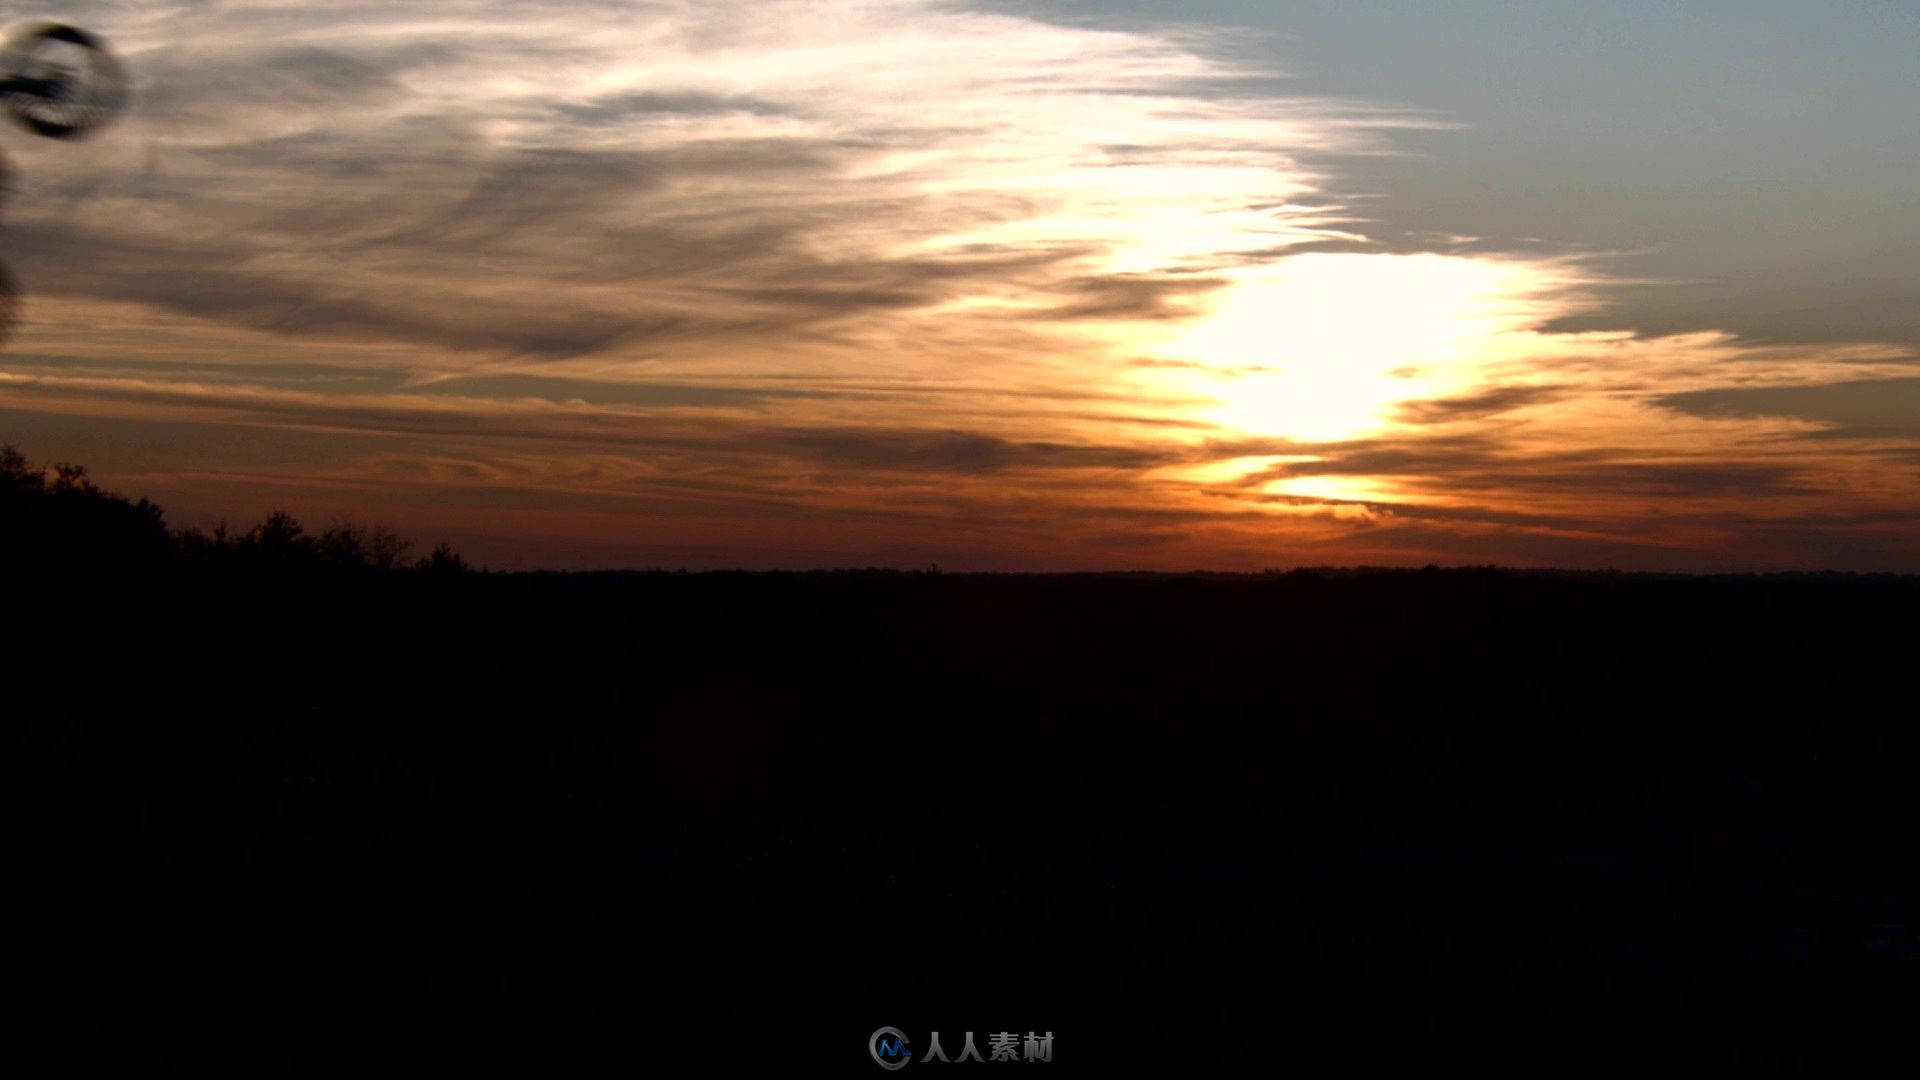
(692, 103)
(957, 452)
(1867, 408)
(222, 286)
(1479, 405)
(598, 392)
(1131, 297)
(188, 85)
(1483, 464)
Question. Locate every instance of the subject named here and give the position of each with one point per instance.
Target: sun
(1321, 347)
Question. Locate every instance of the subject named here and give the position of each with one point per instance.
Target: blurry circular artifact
(59, 81)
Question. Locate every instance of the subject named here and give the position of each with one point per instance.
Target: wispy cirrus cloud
(554, 180)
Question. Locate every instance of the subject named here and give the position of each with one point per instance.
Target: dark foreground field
(278, 822)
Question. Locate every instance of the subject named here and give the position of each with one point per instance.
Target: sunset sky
(1000, 285)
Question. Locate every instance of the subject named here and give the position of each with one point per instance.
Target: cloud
(1477, 406)
(657, 170)
(1025, 288)
(1483, 465)
(1866, 408)
(952, 452)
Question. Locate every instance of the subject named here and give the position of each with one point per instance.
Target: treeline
(55, 518)
(1421, 822)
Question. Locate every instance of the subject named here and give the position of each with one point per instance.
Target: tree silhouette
(56, 519)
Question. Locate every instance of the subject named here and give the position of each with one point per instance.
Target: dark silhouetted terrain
(285, 804)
